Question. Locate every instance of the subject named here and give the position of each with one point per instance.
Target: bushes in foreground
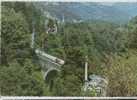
(122, 75)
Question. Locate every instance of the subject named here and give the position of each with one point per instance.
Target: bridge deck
(49, 58)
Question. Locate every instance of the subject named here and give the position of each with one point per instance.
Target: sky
(79, 0)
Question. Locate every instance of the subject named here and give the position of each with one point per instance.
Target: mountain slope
(113, 12)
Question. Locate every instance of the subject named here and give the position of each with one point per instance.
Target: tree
(33, 16)
(15, 34)
(132, 29)
(19, 77)
(122, 75)
(18, 80)
(15, 81)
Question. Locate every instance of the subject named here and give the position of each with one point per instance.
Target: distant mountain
(113, 12)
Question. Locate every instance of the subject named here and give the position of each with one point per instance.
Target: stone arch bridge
(48, 63)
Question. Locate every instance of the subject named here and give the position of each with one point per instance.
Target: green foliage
(51, 23)
(114, 41)
(91, 93)
(99, 40)
(71, 78)
(15, 81)
(18, 80)
(33, 17)
(132, 28)
(15, 34)
(134, 20)
(78, 41)
(19, 77)
(122, 75)
(68, 85)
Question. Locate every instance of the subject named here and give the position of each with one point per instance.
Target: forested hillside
(111, 49)
(116, 12)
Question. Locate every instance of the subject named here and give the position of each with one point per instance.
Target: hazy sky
(79, 0)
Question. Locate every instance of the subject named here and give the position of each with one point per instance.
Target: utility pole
(33, 36)
(86, 73)
(86, 68)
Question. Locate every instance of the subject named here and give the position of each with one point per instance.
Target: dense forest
(111, 50)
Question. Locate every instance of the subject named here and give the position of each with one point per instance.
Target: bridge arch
(51, 73)
(50, 64)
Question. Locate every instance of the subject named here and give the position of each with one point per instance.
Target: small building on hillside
(98, 84)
